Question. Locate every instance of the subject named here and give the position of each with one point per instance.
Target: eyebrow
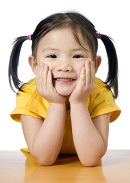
(56, 49)
(48, 48)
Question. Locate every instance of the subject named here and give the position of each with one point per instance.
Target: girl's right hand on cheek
(45, 86)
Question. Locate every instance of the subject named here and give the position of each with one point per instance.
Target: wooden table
(19, 167)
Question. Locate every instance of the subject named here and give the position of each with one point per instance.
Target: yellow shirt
(30, 103)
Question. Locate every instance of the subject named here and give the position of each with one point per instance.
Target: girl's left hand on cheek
(85, 84)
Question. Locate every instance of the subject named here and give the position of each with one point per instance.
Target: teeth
(64, 79)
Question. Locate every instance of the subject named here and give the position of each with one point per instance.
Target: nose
(65, 66)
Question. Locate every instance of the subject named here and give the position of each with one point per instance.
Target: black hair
(78, 24)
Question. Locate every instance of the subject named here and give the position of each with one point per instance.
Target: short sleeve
(102, 102)
(30, 103)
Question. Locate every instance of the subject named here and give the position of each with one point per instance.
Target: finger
(44, 74)
(41, 77)
(92, 73)
(38, 76)
(83, 74)
(49, 80)
(88, 71)
(82, 78)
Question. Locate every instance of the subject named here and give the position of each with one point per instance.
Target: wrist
(77, 104)
(58, 104)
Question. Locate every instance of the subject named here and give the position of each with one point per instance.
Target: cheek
(79, 68)
(51, 65)
(51, 68)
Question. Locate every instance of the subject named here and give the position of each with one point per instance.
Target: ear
(97, 62)
(32, 63)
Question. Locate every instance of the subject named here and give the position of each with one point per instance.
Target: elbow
(44, 160)
(91, 161)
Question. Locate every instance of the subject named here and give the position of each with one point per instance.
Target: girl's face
(65, 57)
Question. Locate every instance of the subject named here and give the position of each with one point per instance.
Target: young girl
(65, 109)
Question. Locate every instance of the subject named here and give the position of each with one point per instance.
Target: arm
(44, 139)
(90, 136)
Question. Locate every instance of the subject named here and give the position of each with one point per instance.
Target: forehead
(64, 36)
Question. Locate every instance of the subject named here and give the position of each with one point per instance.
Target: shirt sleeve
(102, 103)
(29, 103)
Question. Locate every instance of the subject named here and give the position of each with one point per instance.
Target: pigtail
(14, 81)
(112, 75)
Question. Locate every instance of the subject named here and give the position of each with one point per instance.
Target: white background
(20, 18)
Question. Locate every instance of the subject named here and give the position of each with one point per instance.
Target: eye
(77, 56)
(52, 56)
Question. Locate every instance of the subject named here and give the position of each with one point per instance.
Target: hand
(45, 86)
(85, 84)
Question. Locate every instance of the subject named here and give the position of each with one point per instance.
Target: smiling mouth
(64, 80)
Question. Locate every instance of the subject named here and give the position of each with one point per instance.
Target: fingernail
(37, 67)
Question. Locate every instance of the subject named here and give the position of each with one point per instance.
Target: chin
(64, 93)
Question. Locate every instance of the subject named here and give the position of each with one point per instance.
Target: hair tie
(99, 36)
(29, 37)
